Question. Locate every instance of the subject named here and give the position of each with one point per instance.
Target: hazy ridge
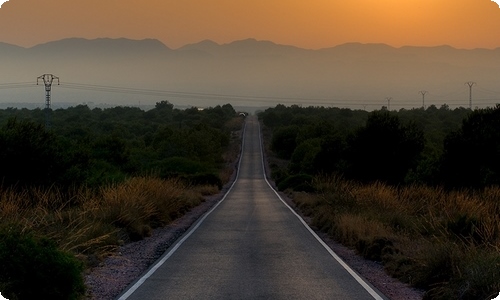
(355, 75)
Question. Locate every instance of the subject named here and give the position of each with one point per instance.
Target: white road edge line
(363, 283)
(166, 256)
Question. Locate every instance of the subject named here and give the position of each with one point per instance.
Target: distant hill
(77, 48)
(243, 48)
(354, 74)
(10, 49)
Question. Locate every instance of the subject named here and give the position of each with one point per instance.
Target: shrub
(300, 182)
(180, 165)
(283, 141)
(203, 179)
(28, 146)
(33, 268)
(376, 248)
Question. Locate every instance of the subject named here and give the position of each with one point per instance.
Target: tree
(302, 160)
(384, 149)
(472, 154)
(284, 141)
(164, 105)
(331, 156)
(29, 155)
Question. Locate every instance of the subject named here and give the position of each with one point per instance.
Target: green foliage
(384, 149)
(472, 153)
(164, 105)
(303, 157)
(435, 146)
(29, 155)
(331, 156)
(203, 179)
(33, 268)
(283, 142)
(97, 146)
(299, 182)
(180, 165)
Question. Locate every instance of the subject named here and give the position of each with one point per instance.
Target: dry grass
(88, 222)
(445, 242)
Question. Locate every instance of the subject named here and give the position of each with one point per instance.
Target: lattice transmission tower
(47, 79)
(470, 84)
(388, 103)
(423, 93)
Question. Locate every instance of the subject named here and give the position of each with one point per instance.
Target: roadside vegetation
(96, 179)
(417, 190)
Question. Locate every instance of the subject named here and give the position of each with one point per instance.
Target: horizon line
(246, 39)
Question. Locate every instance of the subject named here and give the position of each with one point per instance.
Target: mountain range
(251, 73)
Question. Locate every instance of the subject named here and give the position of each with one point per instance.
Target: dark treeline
(92, 147)
(456, 148)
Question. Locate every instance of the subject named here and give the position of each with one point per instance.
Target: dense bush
(29, 155)
(33, 268)
(97, 146)
(299, 182)
(472, 153)
(284, 141)
(437, 146)
(384, 149)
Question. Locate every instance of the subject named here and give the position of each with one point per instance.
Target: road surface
(251, 246)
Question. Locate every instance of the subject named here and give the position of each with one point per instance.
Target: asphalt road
(251, 246)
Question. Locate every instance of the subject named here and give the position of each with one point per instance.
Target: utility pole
(47, 81)
(423, 98)
(388, 103)
(470, 84)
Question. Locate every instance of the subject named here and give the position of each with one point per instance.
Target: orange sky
(304, 23)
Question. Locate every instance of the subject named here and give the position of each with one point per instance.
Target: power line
(487, 91)
(16, 85)
(246, 98)
(179, 94)
(454, 93)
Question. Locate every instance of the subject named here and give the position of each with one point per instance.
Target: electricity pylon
(47, 81)
(423, 98)
(470, 84)
(388, 103)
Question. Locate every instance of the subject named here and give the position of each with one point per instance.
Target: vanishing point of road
(250, 246)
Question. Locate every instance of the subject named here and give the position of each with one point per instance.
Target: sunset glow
(326, 23)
